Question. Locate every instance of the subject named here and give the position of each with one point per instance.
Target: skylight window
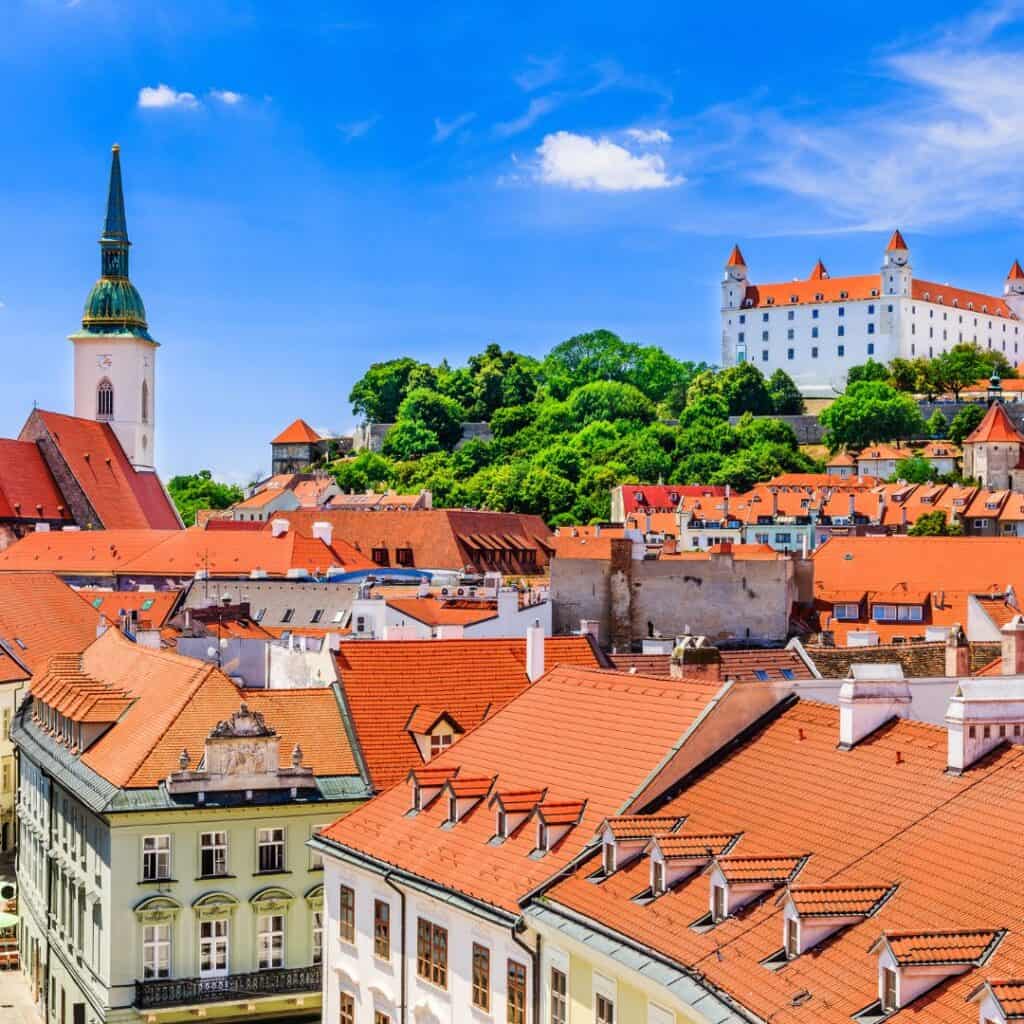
(147, 604)
(289, 614)
(97, 601)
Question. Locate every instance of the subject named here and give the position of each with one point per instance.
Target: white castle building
(816, 329)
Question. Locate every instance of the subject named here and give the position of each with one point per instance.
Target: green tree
(915, 470)
(871, 370)
(903, 374)
(937, 424)
(609, 400)
(377, 395)
(408, 439)
(785, 395)
(965, 421)
(935, 524)
(364, 472)
(961, 366)
(191, 492)
(867, 413)
(436, 412)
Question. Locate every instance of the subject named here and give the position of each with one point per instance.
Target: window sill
(157, 881)
(273, 871)
(208, 878)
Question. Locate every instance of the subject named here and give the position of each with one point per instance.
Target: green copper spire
(114, 305)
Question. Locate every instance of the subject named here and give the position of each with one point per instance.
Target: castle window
(871, 328)
(814, 314)
(790, 315)
(814, 332)
(871, 348)
(840, 330)
(871, 308)
(819, 297)
(814, 351)
(105, 400)
(790, 353)
(145, 401)
(841, 350)
(764, 356)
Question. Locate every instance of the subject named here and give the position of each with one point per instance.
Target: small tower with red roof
(734, 280)
(1013, 289)
(896, 270)
(992, 451)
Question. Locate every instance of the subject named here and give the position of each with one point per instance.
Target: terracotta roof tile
(80, 552)
(152, 606)
(529, 747)
(995, 427)
(736, 258)
(386, 680)
(1010, 994)
(27, 487)
(948, 947)
(837, 900)
(432, 612)
(701, 846)
(641, 826)
(774, 870)
(663, 497)
(896, 242)
(929, 291)
(297, 432)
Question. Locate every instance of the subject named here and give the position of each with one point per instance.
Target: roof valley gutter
(402, 1006)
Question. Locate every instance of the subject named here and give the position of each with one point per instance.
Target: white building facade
(816, 329)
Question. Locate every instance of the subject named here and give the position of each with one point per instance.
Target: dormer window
(737, 881)
(890, 990)
(657, 877)
(792, 938)
(555, 820)
(453, 810)
(608, 854)
(543, 837)
(440, 742)
(719, 905)
(501, 828)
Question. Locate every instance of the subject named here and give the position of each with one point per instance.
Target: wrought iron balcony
(150, 995)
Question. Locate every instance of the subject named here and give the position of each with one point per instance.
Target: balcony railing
(150, 995)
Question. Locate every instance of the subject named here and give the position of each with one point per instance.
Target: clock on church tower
(115, 356)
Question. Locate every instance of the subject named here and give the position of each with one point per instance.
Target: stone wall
(721, 597)
(920, 660)
(371, 435)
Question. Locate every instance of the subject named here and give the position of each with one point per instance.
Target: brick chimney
(1013, 646)
(958, 652)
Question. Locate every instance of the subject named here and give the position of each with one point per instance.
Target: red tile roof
(527, 745)
(27, 487)
(735, 258)
(152, 606)
(837, 900)
(660, 496)
(432, 612)
(930, 291)
(1016, 272)
(386, 680)
(818, 272)
(916, 949)
(123, 497)
(239, 552)
(884, 813)
(80, 552)
(995, 427)
(164, 703)
(641, 826)
(45, 615)
(896, 242)
(297, 432)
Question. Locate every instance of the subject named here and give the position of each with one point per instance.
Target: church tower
(115, 357)
(897, 272)
(1013, 289)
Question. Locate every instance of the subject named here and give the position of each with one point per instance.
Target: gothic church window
(145, 401)
(105, 400)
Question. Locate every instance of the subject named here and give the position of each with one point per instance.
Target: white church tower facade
(115, 356)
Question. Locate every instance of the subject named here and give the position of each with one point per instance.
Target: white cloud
(227, 97)
(353, 130)
(163, 96)
(649, 136)
(599, 165)
(540, 72)
(538, 107)
(945, 148)
(446, 129)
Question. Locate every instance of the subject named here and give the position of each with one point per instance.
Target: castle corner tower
(115, 357)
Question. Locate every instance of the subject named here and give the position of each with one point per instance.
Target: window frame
(269, 953)
(268, 844)
(480, 978)
(515, 992)
(559, 986)
(382, 929)
(604, 1009)
(157, 855)
(432, 952)
(347, 914)
(152, 945)
(214, 849)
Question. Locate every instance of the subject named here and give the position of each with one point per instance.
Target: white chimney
(981, 714)
(423, 590)
(535, 651)
(322, 531)
(148, 638)
(508, 603)
(1013, 646)
(870, 697)
(590, 627)
(42, 527)
(427, 499)
(101, 626)
(278, 527)
(453, 631)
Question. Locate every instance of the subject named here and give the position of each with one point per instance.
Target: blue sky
(315, 186)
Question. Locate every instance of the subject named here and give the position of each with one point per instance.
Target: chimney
(427, 498)
(42, 527)
(590, 627)
(775, 501)
(323, 531)
(508, 602)
(101, 626)
(424, 589)
(278, 527)
(1013, 646)
(870, 697)
(853, 504)
(958, 652)
(535, 651)
(148, 637)
(597, 529)
(980, 715)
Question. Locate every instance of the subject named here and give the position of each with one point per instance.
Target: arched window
(105, 400)
(145, 401)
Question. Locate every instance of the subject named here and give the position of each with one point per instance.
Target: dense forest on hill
(594, 412)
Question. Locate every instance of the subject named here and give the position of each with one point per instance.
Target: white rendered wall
(126, 363)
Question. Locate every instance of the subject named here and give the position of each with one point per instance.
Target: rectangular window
(604, 1010)
(404, 556)
(790, 353)
(871, 328)
(790, 315)
(841, 350)
(840, 330)
(889, 1003)
(764, 317)
(743, 318)
(270, 849)
(764, 335)
(316, 860)
(814, 351)
(718, 903)
(440, 742)
(346, 1009)
(432, 952)
(317, 615)
(213, 948)
(739, 337)
(814, 332)
(790, 334)
(379, 1017)
(516, 1000)
(871, 348)
(381, 930)
(764, 356)
(884, 612)
(318, 936)
(346, 914)
(156, 951)
(213, 854)
(792, 938)
(871, 309)
(289, 614)
(846, 612)
(559, 997)
(156, 858)
(481, 977)
(270, 941)
(814, 314)
(658, 877)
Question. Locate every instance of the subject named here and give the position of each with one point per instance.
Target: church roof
(27, 487)
(896, 242)
(121, 496)
(1016, 271)
(298, 432)
(996, 426)
(819, 273)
